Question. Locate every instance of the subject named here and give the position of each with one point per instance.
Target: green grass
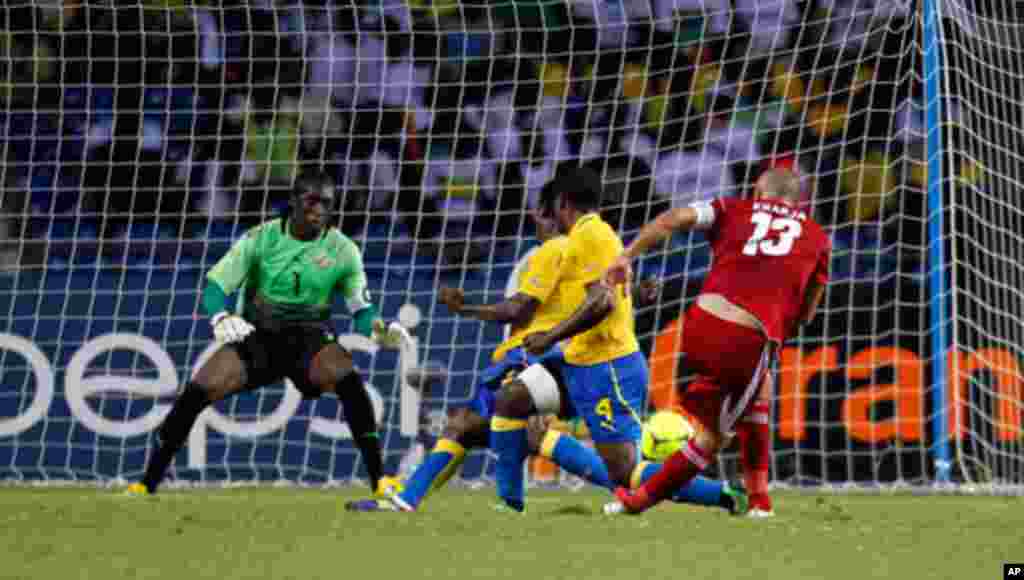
(66, 533)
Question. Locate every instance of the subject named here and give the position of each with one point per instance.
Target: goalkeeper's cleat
(740, 499)
(137, 490)
(371, 505)
(760, 514)
(388, 486)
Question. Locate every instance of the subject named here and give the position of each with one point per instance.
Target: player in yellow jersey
(538, 305)
(602, 375)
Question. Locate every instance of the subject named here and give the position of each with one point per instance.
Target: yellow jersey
(539, 280)
(592, 247)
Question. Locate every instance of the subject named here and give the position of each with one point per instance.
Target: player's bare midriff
(719, 306)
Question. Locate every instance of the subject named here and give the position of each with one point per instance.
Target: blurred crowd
(441, 120)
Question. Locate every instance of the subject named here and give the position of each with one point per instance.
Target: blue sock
(576, 458)
(436, 469)
(509, 443)
(700, 490)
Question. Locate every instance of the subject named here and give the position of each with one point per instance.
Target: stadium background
(112, 212)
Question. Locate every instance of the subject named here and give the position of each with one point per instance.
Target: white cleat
(398, 502)
(613, 508)
(759, 514)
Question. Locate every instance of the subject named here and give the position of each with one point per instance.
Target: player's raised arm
(669, 222)
(701, 214)
(226, 277)
(535, 285)
(516, 310)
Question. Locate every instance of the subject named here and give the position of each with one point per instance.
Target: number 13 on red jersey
(789, 230)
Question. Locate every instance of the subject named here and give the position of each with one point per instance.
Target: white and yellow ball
(664, 433)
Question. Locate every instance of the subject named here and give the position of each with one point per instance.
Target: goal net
(981, 140)
(141, 139)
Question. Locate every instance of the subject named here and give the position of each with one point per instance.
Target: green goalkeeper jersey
(287, 280)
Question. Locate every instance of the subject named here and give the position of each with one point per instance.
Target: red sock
(677, 471)
(755, 452)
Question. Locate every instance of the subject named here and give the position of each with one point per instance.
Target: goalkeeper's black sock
(174, 431)
(359, 416)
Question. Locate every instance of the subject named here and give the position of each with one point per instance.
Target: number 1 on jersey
(789, 230)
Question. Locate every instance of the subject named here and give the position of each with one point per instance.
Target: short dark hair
(546, 202)
(313, 181)
(580, 186)
(551, 189)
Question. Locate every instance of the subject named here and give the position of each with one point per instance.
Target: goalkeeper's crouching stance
(290, 268)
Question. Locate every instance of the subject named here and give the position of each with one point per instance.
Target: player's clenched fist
(453, 298)
(230, 327)
(537, 343)
(646, 292)
(620, 272)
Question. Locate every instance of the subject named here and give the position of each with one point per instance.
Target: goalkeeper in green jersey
(288, 271)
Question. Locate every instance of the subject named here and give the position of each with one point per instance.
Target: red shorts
(730, 361)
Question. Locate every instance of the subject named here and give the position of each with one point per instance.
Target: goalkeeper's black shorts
(270, 356)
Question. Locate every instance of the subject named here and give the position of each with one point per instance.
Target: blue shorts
(610, 397)
(492, 377)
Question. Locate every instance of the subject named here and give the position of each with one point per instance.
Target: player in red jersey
(768, 275)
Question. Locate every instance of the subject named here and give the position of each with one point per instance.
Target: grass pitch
(303, 534)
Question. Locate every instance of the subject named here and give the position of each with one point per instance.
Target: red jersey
(766, 252)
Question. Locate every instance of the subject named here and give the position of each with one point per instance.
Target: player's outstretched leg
(172, 435)
(678, 471)
(732, 498)
(571, 455)
(465, 429)
(699, 491)
(220, 377)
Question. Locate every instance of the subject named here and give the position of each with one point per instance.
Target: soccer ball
(664, 433)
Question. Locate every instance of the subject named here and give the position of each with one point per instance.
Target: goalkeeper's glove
(230, 327)
(390, 335)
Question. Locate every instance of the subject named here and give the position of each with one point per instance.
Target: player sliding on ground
(536, 305)
(292, 268)
(599, 373)
(539, 304)
(769, 273)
